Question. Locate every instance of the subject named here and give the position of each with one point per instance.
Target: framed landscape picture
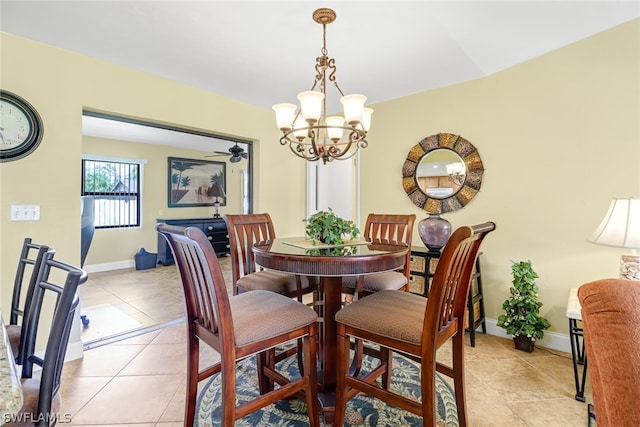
(194, 182)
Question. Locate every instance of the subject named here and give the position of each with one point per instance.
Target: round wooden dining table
(330, 264)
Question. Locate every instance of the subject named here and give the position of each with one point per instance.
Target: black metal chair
(31, 258)
(41, 402)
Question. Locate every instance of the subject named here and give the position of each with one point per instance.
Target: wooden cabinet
(214, 228)
(423, 264)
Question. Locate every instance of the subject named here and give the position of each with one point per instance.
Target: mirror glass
(441, 173)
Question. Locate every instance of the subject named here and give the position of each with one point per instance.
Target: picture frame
(194, 182)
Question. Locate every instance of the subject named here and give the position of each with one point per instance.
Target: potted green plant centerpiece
(522, 317)
(327, 227)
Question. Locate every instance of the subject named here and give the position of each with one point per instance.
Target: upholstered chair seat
(385, 229)
(13, 335)
(390, 314)
(277, 315)
(276, 281)
(389, 280)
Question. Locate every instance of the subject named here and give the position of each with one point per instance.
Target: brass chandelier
(309, 133)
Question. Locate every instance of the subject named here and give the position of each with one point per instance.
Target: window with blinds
(115, 188)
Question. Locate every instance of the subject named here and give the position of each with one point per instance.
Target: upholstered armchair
(611, 322)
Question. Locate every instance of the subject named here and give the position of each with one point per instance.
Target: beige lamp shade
(353, 106)
(285, 113)
(311, 105)
(620, 226)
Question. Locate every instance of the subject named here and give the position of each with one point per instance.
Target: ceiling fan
(237, 154)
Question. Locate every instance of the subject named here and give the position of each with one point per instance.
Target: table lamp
(217, 192)
(621, 228)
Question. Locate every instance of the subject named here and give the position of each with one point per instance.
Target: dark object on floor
(145, 260)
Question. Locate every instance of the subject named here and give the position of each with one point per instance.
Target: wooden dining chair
(29, 264)
(244, 232)
(415, 327)
(57, 283)
(239, 326)
(385, 229)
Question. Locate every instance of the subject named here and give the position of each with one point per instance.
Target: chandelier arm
(335, 83)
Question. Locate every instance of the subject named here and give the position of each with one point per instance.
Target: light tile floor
(141, 380)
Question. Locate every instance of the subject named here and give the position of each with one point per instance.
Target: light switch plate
(25, 212)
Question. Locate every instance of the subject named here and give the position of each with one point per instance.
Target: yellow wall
(59, 84)
(559, 138)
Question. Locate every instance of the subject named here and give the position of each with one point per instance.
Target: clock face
(20, 127)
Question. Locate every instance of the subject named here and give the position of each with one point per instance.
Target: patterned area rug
(361, 411)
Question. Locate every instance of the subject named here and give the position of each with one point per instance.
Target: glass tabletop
(297, 246)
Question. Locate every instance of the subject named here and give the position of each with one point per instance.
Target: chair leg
(265, 358)
(192, 379)
(428, 385)
(310, 346)
(386, 357)
(341, 371)
(458, 377)
(300, 355)
(228, 373)
(358, 354)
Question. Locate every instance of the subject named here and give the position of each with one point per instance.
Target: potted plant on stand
(522, 317)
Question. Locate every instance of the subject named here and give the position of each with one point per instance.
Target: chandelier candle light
(308, 132)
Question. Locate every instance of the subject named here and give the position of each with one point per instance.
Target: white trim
(552, 340)
(113, 159)
(118, 265)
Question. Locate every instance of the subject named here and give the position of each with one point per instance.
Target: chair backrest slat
(392, 230)
(450, 286)
(205, 292)
(66, 303)
(27, 258)
(244, 232)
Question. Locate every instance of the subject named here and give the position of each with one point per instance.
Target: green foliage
(328, 228)
(523, 308)
(101, 178)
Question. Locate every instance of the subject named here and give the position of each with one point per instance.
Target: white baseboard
(118, 265)
(552, 340)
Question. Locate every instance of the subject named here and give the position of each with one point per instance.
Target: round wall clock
(20, 127)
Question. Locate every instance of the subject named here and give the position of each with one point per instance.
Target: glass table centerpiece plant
(522, 317)
(326, 227)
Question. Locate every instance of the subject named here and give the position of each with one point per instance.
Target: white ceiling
(263, 52)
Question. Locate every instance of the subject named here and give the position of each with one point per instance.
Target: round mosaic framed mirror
(442, 173)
